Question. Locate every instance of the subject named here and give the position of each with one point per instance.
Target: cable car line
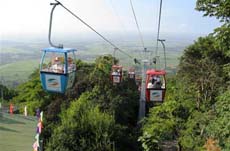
(153, 88)
(81, 20)
(114, 11)
(139, 31)
(158, 30)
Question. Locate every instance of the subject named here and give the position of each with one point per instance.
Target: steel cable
(81, 20)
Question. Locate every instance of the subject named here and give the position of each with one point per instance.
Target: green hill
(18, 71)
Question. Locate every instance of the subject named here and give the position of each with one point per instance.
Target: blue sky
(32, 17)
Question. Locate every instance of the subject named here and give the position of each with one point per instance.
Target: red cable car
(116, 74)
(155, 85)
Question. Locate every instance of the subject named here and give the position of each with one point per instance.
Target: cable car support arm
(138, 28)
(159, 26)
(50, 26)
(163, 45)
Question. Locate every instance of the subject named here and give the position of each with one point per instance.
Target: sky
(31, 17)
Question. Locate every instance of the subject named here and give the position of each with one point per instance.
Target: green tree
(200, 68)
(6, 93)
(82, 80)
(160, 126)
(222, 38)
(101, 73)
(218, 8)
(204, 70)
(194, 135)
(221, 10)
(219, 127)
(165, 122)
(122, 102)
(83, 127)
(31, 94)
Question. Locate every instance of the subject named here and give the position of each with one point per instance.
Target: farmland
(19, 59)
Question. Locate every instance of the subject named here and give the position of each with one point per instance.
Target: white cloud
(32, 16)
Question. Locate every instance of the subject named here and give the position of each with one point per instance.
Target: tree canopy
(83, 127)
(196, 108)
(218, 8)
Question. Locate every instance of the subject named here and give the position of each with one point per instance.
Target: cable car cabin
(116, 74)
(131, 73)
(57, 69)
(155, 85)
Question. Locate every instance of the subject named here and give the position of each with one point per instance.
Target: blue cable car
(57, 66)
(57, 74)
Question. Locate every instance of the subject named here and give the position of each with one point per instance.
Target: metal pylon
(143, 87)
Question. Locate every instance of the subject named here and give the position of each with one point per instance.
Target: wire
(139, 31)
(159, 24)
(94, 30)
(114, 11)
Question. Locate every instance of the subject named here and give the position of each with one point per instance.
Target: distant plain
(18, 59)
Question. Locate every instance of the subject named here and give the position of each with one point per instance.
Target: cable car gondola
(155, 85)
(131, 73)
(116, 71)
(116, 74)
(57, 66)
(57, 69)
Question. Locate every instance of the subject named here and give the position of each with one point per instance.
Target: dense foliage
(197, 105)
(194, 115)
(6, 94)
(93, 115)
(218, 8)
(83, 127)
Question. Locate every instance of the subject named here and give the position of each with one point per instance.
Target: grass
(17, 132)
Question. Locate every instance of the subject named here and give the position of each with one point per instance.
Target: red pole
(11, 108)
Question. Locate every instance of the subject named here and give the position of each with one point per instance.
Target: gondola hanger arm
(50, 25)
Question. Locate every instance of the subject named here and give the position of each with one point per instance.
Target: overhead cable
(159, 25)
(94, 30)
(139, 31)
(119, 20)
